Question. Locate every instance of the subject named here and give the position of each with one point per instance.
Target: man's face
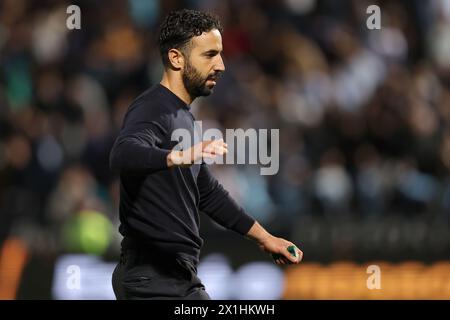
(203, 64)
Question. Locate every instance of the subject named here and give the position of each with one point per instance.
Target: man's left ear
(176, 59)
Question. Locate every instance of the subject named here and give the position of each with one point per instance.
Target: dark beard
(194, 82)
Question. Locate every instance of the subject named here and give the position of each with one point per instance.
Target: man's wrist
(258, 234)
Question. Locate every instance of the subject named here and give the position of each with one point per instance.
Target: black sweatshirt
(159, 206)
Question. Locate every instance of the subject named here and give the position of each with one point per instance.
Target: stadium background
(364, 144)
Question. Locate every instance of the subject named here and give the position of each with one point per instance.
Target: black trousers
(145, 274)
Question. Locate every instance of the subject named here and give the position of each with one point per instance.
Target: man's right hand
(200, 151)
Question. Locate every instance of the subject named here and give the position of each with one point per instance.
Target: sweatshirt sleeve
(137, 149)
(216, 202)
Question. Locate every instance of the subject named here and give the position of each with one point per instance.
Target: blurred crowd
(364, 115)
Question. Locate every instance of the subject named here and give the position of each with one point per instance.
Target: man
(162, 189)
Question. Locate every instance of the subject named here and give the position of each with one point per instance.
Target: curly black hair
(180, 26)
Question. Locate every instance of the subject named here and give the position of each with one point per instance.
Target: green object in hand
(291, 250)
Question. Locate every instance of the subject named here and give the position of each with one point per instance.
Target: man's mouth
(213, 78)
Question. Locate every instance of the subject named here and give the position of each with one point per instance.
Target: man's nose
(219, 66)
